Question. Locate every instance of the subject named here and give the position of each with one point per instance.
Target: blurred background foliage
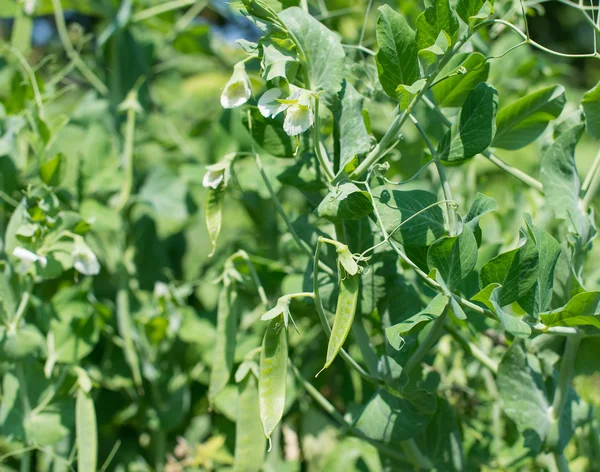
(179, 60)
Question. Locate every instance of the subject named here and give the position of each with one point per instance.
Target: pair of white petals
(299, 115)
(84, 260)
(297, 107)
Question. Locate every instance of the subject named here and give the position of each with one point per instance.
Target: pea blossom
(28, 258)
(297, 107)
(217, 174)
(237, 90)
(84, 259)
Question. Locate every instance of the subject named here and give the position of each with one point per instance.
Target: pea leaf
(52, 170)
(462, 73)
(475, 126)
(591, 107)
(391, 419)
(559, 174)
(345, 201)
(322, 48)
(454, 256)
(397, 62)
(354, 139)
(474, 11)
(583, 309)
(395, 334)
(523, 121)
(491, 297)
(440, 16)
(25, 341)
(279, 58)
(396, 207)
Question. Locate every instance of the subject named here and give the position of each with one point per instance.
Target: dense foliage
(361, 238)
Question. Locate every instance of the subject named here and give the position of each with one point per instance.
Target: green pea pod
(249, 441)
(227, 320)
(344, 316)
(213, 214)
(272, 375)
(87, 433)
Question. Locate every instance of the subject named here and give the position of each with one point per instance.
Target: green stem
(425, 346)
(414, 454)
(518, 174)
(159, 9)
(337, 416)
(325, 164)
(472, 349)
(21, 309)
(128, 159)
(592, 172)
(323, 318)
(26, 457)
(562, 464)
(593, 182)
(564, 376)
(299, 241)
(63, 34)
(259, 287)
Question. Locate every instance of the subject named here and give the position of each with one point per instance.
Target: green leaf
(25, 341)
(583, 309)
(591, 108)
(396, 207)
(75, 331)
(480, 206)
(345, 201)
(322, 48)
(454, 256)
(395, 334)
(474, 11)
(522, 391)
(540, 295)
(461, 75)
(406, 93)
(515, 270)
(279, 58)
(354, 139)
(268, 133)
(474, 128)
(523, 121)
(559, 174)
(397, 62)
(491, 296)
(390, 419)
(440, 16)
(52, 170)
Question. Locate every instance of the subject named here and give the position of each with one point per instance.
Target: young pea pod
(227, 320)
(87, 433)
(272, 375)
(249, 439)
(344, 316)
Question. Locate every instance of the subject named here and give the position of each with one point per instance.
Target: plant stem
(21, 310)
(63, 34)
(300, 242)
(518, 174)
(472, 349)
(128, 159)
(325, 164)
(259, 287)
(425, 346)
(593, 182)
(323, 318)
(564, 376)
(591, 173)
(337, 416)
(562, 465)
(159, 9)
(414, 454)
(26, 457)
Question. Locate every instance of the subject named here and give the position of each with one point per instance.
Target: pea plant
(401, 276)
(362, 238)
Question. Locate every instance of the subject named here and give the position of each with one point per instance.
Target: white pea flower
(297, 107)
(84, 259)
(29, 7)
(217, 174)
(237, 91)
(268, 104)
(28, 258)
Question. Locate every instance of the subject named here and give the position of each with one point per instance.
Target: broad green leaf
(52, 170)
(515, 270)
(582, 309)
(396, 207)
(540, 295)
(474, 11)
(268, 133)
(480, 206)
(462, 73)
(591, 108)
(491, 297)
(474, 128)
(279, 58)
(345, 201)
(354, 139)
(395, 334)
(74, 331)
(523, 121)
(15, 345)
(87, 432)
(522, 391)
(559, 174)
(397, 56)
(390, 419)
(440, 16)
(454, 256)
(322, 48)
(406, 93)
